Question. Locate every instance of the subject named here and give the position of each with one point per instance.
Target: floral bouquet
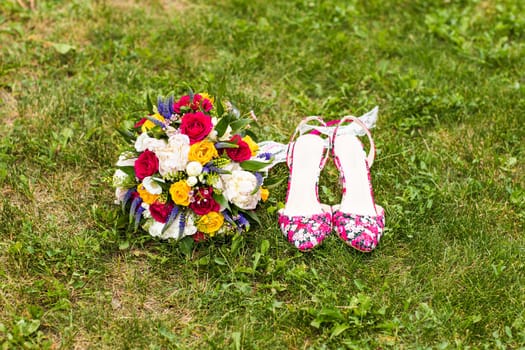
(189, 171)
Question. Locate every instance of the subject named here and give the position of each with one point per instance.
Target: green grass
(448, 77)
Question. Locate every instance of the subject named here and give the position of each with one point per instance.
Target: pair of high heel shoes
(357, 220)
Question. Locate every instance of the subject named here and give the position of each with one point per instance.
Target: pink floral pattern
(362, 232)
(305, 233)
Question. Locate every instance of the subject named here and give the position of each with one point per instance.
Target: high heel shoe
(304, 220)
(358, 221)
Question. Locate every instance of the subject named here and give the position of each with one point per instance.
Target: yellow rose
(254, 147)
(145, 195)
(202, 152)
(264, 194)
(148, 124)
(180, 193)
(210, 223)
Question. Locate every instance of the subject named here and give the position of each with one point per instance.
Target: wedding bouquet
(191, 169)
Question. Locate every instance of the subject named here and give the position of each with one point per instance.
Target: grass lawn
(449, 79)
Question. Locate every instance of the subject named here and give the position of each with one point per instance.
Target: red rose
(196, 125)
(206, 105)
(146, 164)
(199, 237)
(160, 211)
(203, 202)
(197, 103)
(240, 154)
(184, 101)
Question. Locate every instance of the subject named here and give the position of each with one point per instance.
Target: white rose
(173, 231)
(153, 227)
(151, 186)
(126, 159)
(232, 167)
(120, 192)
(191, 181)
(144, 142)
(171, 131)
(193, 168)
(120, 178)
(174, 156)
(238, 187)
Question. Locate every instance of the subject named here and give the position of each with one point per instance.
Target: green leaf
(265, 245)
(186, 245)
(236, 336)
(338, 329)
(63, 49)
(331, 315)
(219, 261)
(149, 104)
(254, 165)
(223, 202)
(273, 183)
(167, 334)
(126, 134)
(218, 105)
(359, 284)
(316, 323)
(27, 328)
(239, 124)
(129, 170)
(249, 132)
(222, 125)
(226, 144)
(256, 258)
(252, 215)
(237, 241)
(205, 260)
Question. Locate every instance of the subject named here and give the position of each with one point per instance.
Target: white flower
(232, 167)
(193, 168)
(144, 142)
(171, 131)
(151, 186)
(191, 181)
(213, 134)
(238, 188)
(120, 178)
(174, 156)
(126, 159)
(227, 134)
(146, 213)
(173, 231)
(120, 192)
(217, 184)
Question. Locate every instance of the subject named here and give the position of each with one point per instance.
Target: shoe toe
(305, 232)
(362, 232)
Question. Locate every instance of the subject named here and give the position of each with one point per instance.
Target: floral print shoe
(358, 221)
(304, 221)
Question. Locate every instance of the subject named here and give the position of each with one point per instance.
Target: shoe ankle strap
(372, 152)
(303, 128)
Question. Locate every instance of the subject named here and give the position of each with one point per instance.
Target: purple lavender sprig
(165, 107)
